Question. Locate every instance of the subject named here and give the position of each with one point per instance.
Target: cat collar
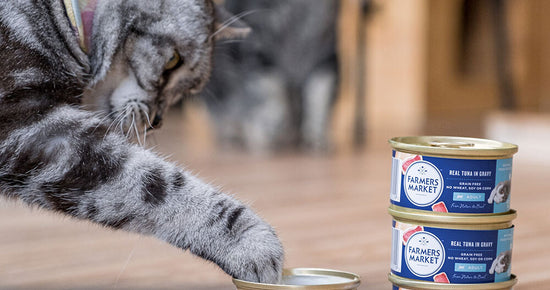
(81, 15)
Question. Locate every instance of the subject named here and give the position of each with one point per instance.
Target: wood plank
(329, 211)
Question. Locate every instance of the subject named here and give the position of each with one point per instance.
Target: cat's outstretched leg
(68, 161)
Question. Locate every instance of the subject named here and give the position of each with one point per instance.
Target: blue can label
(450, 255)
(394, 287)
(450, 185)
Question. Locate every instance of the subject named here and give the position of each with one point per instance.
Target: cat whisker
(134, 125)
(239, 16)
(139, 115)
(131, 127)
(146, 124)
(126, 117)
(146, 113)
(121, 122)
(130, 255)
(115, 121)
(144, 135)
(230, 41)
(103, 118)
(233, 20)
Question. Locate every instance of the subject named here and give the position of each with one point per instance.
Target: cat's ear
(227, 25)
(109, 35)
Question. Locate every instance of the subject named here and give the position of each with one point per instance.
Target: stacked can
(452, 223)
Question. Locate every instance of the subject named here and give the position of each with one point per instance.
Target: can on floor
(307, 279)
(400, 283)
(451, 174)
(452, 248)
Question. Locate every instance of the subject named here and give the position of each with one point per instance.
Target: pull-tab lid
(307, 279)
(461, 147)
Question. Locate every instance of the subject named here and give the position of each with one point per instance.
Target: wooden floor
(330, 212)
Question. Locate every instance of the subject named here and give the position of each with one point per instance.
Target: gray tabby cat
(144, 55)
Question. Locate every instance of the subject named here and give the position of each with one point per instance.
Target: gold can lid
(307, 279)
(426, 285)
(454, 220)
(457, 147)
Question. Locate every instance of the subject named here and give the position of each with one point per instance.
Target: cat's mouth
(135, 120)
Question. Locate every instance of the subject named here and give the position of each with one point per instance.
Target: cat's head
(503, 191)
(147, 55)
(503, 262)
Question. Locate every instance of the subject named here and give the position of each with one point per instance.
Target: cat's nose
(157, 121)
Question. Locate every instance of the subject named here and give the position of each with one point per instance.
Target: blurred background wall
(455, 67)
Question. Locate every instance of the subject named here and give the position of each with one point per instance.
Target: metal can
(307, 279)
(400, 283)
(452, 249)
(451, 174)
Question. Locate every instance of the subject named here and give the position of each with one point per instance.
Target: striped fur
(56, 156)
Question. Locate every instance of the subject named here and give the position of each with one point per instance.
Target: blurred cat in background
(274, 90)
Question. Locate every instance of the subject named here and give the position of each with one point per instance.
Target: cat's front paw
(258, 256)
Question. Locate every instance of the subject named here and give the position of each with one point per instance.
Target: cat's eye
(173, 62)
